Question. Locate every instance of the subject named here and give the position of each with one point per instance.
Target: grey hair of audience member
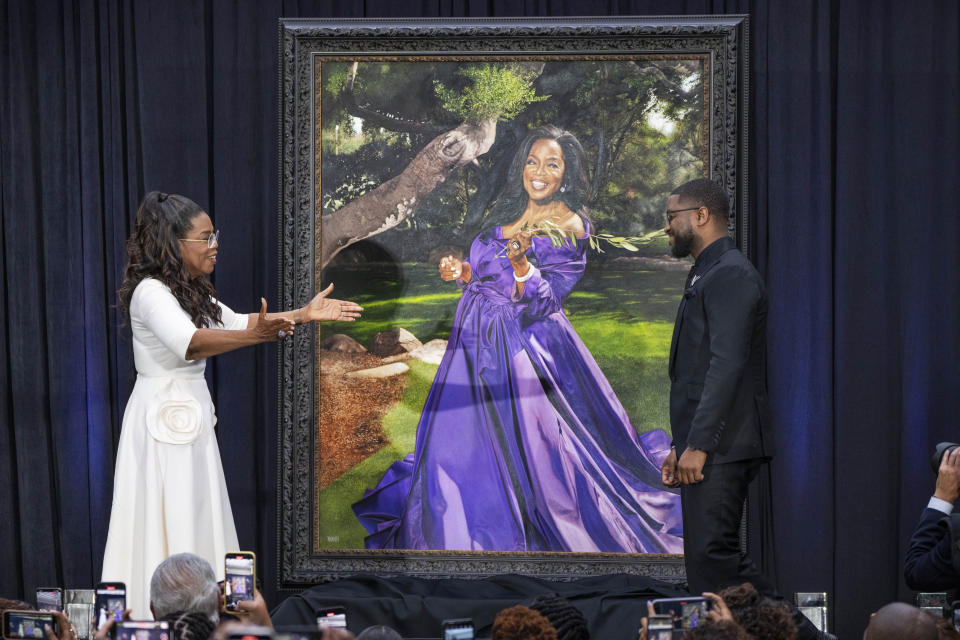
(379, 632)
(185, 583)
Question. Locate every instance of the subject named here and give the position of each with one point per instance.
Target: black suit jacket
(718, 368)
(929, 565)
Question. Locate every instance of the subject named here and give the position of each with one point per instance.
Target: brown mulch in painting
(351, 413)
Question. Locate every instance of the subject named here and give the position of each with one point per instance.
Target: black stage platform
(612, 605)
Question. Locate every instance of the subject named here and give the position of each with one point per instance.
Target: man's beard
(682, 243)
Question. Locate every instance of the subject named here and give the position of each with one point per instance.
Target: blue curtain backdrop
(855, 183)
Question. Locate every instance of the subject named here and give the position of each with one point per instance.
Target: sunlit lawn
(622, 312)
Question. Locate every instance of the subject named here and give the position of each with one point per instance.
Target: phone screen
(28, 624)
(238, 584)
(659, 627)
(685, 613)
(459, 629)
(50, 599)
(111, 600)
(335, 617)
(146, 630)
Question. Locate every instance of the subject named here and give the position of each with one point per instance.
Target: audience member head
(946, 629)
(189, 626)
(901, 621)
(379, 632)
(184, 583)
(759, 616)
(723, 630)
(522, 623)
(13, 605)
(563, 616)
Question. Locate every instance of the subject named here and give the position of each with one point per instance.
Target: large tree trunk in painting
(389, 204)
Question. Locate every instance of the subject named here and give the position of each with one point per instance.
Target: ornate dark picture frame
(721, 40)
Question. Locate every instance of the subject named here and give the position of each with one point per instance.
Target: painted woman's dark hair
(512, 199)
(153, 251)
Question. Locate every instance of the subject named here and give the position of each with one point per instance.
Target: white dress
(169, 493)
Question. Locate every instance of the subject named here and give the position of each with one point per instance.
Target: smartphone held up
(240, 574)
(28, 624)
(143, 630)
(334, 617)
(110, 602)
(49, 599)
(684, 613)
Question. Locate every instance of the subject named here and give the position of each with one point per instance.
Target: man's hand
(948, 477)
(690, 466)
(67, 632)
(253, 611)
(668, 471)
(104, 632)
(719, 611)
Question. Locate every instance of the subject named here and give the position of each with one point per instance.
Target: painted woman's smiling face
(543, 172)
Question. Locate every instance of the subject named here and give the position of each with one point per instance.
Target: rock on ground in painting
(342, 343)
(386, 371)
(393, 342)
(430, 352)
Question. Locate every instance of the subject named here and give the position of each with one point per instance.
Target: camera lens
(941, 449)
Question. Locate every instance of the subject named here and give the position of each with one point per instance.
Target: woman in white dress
(169, 493)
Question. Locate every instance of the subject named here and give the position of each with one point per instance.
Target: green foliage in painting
(641, 123)
(499, 91)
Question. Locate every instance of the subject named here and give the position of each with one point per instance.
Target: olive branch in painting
(558, 237)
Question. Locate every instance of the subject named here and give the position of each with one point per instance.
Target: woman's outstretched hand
(452, 268)
(322, 308)
(275, 328)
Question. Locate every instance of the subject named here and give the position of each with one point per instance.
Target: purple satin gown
(522, 444)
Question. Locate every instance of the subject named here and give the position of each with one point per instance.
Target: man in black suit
(718, 392)
(933, 559)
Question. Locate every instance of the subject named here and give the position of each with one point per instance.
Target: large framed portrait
(492, 192)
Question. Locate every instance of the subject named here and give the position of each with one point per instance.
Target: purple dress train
(522, 444)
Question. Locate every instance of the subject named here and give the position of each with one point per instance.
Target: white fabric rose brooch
(175, 416)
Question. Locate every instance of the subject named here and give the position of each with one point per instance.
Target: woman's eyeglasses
(212, 239)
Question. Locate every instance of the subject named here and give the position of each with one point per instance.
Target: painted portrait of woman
(523, 443)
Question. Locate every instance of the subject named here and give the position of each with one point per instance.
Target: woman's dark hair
(512, 199)
(760, 616)
(153, 251)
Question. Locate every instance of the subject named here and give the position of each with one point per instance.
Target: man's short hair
(379, 632)
(901, 621)
(185, 583)
(705, 193)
